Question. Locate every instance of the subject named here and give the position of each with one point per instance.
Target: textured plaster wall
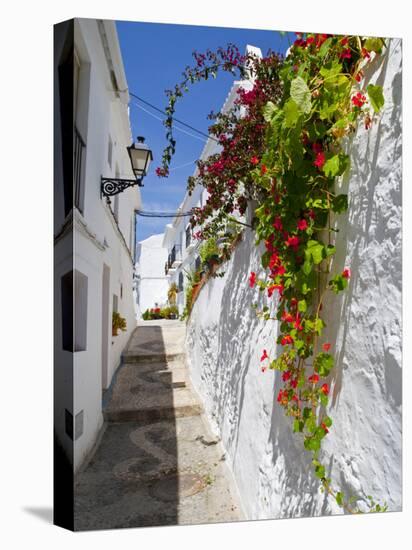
(225, 339)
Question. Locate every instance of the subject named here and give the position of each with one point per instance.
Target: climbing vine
(282, 146)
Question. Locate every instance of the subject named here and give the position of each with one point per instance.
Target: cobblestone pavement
(158, 462)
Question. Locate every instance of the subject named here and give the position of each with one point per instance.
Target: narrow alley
(157, 462)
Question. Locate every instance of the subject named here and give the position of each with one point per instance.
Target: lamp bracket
(113, 186)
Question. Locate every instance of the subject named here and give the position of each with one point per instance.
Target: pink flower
(293, 241)
(264, 355)
(359, 100)
(326, 347)
(319, 160)
(254, 160)
(252, 279)
(277, 224)
(302, 225)
(346, 273)
(346, 54)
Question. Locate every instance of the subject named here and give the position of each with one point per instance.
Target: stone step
(147, 392)
(133, 357)
(151, 414)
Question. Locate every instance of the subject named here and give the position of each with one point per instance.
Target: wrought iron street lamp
(140, 157)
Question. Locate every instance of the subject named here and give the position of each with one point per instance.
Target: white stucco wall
(98, 239)
(225, 340)
(152, 282)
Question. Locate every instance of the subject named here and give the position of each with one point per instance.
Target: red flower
(326, 347)
(310, 40)
(280, 270)
(320, 39)
(314, 379)
(344, 41)
(286, 340)
(346, 273)
(263, 169)
(302, 225)
(294, 383)
(277, 224)
(319, 160)
(346, 54)
(359, 76)
(264, 355)
(263, 369)
(359, 99)
(286, 376)
(254, 160)
(287, 317)
(325, 389)
(293, 302)
(293, 241)
(162, 172)
(365, 54)
(295, 397)
(280, 396)
(323, 425)
(317, 147)
(311, 214)
(252, 279)
(272, 289)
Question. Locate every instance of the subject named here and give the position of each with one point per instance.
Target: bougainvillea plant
(281, 145)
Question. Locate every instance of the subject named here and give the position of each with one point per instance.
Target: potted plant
(172, 294)
(118, 322)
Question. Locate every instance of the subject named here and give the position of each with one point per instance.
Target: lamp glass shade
(140, 157)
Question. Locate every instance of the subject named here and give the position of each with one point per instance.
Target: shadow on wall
(131, 481)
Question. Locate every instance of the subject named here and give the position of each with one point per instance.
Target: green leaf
(327, 421)
(339, 498)
(265, 259)
(319, 325)
(330, 250)
(320, 471)
(292, 113)
(325, 47)
(302, 306)
(298, 425)
(307, 267)
(300, 93)
(373, 45)
(340, 203)
(323, 364)
(307, 413)
(324, 400)
(375, 94)
(315, 251)
(269, 110)
(336, 165)
(331, 69)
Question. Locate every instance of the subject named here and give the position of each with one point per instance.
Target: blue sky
(154, 56)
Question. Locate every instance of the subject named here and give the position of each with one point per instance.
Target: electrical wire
(174, 118)
(147, 214)
(175, 127)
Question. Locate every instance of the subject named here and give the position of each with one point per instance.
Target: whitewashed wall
(97, 238)
(225, 340)
(153, 283)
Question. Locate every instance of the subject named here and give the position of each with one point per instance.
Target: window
(121, 291)
(180, 281)
(197, 263)
(74, 311)
(115, 303)
(188, 235)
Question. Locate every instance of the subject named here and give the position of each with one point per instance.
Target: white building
(183, 250)
(94, 240)
(152, 282)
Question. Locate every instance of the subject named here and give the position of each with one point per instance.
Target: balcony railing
(78, 150)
